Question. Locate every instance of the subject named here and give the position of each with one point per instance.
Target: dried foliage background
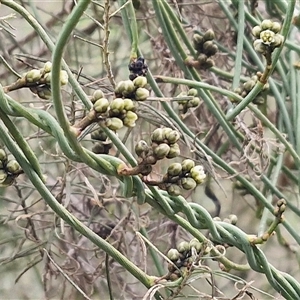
(38, 249)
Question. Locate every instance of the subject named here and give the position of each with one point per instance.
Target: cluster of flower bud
(39, 80)
(185, 175)
(247, 86)
(9, 169)
(267, 36)
(205, 48)
(137, 68)
(232, 219)
(118, 112)
(163, 145)
(135, 90)
(184, 256)
(184, 105)
(103, 144)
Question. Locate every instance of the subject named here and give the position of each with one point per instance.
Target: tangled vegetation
(150, 149)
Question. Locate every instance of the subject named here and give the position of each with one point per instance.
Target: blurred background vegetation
(44, 257)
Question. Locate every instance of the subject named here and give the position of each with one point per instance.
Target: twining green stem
(264, 218)
(234, 96)
(239, 46)
(68, 217)
(49, 43)
(19, 138)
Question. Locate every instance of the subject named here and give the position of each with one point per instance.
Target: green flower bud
(33, 75)
(114, 123)
(198, 174)
(187, 165)
(183, 247)
(141, 147)
(140, 81)
(47, 78)
(166, 131)
(174, 151)
(209, 35)
(3, 156)
(266, 24)
(98, 148)
(192, 92)
(3, 176)
(197, 40)
(129, 88)
(129, 104)
(117, 105)
(151, 160)
(208, 64)
(141, 94)
(99, 135)
(120, 87)
(174, 169)
(161, 151)
(63, 76)
(202, 58)
(188, 183)
(194, 243)
(233, 219)
(256, 30)
(47, 67)
(238, 91)
(173, 137)
(98, 94)
(130, 119)
(13, 166)
(44, 93)
(157, 135)
(276, 27)
(173, 254)
(277, 41)
(174, 190)
(9, 180)
(249, 85)
(259, 46)
(267, 37)
(194, 102)
(209, 48)
(101, 105)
